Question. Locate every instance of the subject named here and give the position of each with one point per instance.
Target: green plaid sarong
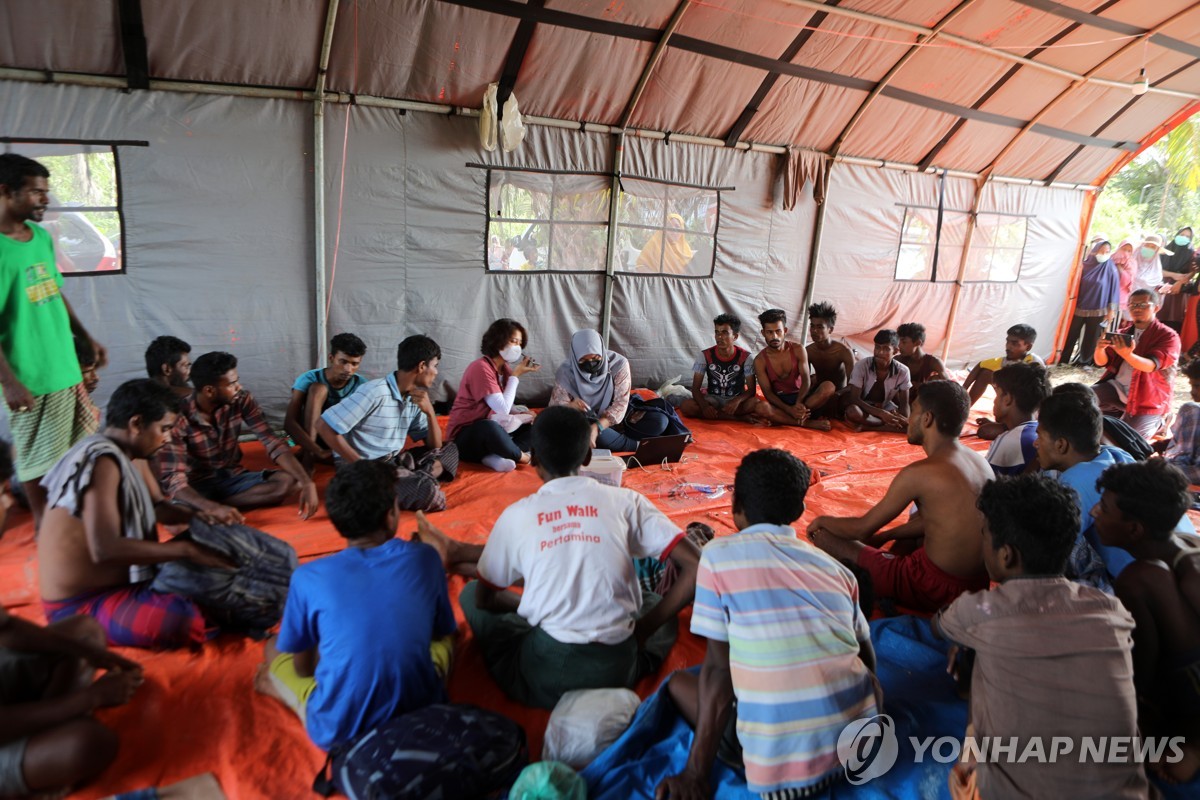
(52, 425)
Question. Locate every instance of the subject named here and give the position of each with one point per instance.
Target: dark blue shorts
(226, 483)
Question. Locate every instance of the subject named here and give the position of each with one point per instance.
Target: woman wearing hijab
(671, 251)
(597, 382)
(1177, 270)
(1122, 259)
(485, 399)
(1147, 268)
(1099, 292)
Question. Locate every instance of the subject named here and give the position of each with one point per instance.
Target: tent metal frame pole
(321, 293)
(968, 235)
(922, 40)
(814, 253)
(1075, 85)
(342, 98)
(971, 44)
(610, 270)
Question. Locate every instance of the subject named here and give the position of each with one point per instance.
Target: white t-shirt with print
(574, 542)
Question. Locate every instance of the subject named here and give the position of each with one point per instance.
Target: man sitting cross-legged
(367, 632)
(49, 742)
(832, 363)
(581, 622)
(947, 559)
(1138, 512)
(761, 697)
(879, 388)
(202, 463)
(730, 390)
(319, 390)
(1018, 348)
(376, 421)
(98, 546)
(922, 366)
(781, 370)
(168, 363)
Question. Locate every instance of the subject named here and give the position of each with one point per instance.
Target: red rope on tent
(337, 237)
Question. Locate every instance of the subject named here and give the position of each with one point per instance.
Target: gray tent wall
(857, 264)
(219, 247)
(218, 221)
(218, 213)
(414, 230)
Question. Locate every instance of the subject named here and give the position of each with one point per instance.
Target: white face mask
(512, 353)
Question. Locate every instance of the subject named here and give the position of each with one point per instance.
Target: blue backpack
(439, 751)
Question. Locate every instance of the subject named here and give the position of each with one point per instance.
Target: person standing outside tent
(1099, 290)
(39, 373)
(1178, 267)
(1122, 259)
(1147, 268)
(667, 251)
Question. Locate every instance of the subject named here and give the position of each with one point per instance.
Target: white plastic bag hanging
(512, 129)
(487, 118)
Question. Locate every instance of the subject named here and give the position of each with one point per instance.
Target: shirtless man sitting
(922, 366)
(98, 544)
(782, 373)
(832, 362)
(946, 557)
(1139, 510)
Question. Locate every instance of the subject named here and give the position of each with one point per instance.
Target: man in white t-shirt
(582, 622)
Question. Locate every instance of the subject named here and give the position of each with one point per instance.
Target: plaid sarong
(44, 433)
(137, 616)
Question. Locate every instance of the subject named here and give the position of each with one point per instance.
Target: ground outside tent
(198, 711)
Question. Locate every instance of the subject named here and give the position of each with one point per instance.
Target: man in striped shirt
(789, 661)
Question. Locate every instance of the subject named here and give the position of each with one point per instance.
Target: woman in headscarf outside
(1099, 292)
(1122, 259)
(596, 381)
(1147, 268)
(669, 249)
(1177, 269)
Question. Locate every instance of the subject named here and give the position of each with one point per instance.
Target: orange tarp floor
(198, 711)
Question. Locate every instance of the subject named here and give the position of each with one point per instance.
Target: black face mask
(592, 367)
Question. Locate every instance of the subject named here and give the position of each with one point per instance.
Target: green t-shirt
(35, 329)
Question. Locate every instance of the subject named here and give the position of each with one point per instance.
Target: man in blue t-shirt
(367, 633)
(1070, 428)
(318, 390)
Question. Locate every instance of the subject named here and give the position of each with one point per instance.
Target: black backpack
(1122, 435)
(439, 751)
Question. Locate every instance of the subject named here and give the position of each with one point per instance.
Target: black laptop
(658, 449)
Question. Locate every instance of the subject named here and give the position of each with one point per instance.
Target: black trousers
(1090, 326)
